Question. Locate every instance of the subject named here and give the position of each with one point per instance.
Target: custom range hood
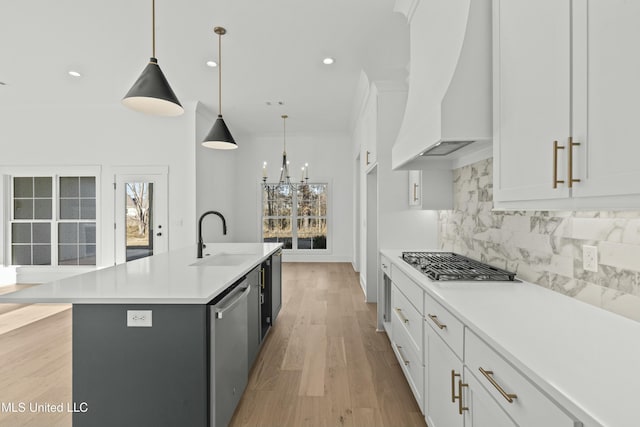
(449, 106)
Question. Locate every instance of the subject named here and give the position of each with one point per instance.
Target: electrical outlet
(139, 318)
(590, 258)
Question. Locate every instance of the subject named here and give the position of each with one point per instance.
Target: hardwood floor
(322, 364)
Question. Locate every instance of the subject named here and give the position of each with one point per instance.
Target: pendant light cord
(284, 132)
(153, 26)
(220, 74)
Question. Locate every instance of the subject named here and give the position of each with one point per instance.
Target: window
(53, 220)
(295, 215)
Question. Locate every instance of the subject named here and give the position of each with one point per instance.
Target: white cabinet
(605, 102)
(532, 84)
(481, 410)
(443, 378)
(407, 330)
(370, 130)
(514, 393)
(415, 188)
(566, 69)
(431, 188)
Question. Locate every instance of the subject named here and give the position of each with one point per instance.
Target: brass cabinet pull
(404, 359)
(508, 396)
(461, 407)
(368, 158)
(262, 272)
(571, 179)
(435, 320)
(404, 319)
(415, 192)
(556, 147)
(453, 386)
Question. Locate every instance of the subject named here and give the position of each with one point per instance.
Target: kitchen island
(145, 343)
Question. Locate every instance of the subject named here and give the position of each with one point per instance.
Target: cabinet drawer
(444, 324)
(406, 316)
(411, 364)
(409, 288)
(385, 265)
(528, 406)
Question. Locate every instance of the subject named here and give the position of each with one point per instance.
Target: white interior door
(141, 213)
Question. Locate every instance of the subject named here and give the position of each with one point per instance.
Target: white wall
(107, 136)
(330, 160)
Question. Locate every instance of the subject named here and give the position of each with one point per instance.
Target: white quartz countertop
(585, 358)
(167, 278)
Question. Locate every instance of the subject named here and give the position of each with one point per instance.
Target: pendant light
(285, 177)
(151, 93)
(219, 136)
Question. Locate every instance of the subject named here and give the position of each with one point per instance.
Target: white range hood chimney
(449, 104)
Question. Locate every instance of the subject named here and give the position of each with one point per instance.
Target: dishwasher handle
(220, 311)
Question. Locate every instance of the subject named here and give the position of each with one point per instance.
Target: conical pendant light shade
(152, 94)
(219, 136)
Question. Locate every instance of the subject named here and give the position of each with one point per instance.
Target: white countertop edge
(563, 400)
(35, 294)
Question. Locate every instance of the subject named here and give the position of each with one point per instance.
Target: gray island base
(167, 340)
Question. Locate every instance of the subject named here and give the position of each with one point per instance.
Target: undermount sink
(224, 259)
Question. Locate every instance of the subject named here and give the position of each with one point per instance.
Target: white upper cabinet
(532, 46)
(566, 71)
(606, 103)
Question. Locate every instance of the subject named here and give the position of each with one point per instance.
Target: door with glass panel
(141, 216)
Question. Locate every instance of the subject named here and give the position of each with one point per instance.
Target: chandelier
(285, 177)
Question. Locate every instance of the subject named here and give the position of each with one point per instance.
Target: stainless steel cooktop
(452, 266)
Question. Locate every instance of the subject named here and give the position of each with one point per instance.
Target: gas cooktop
(452, 266)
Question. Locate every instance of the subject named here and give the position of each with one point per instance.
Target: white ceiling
(272, 51)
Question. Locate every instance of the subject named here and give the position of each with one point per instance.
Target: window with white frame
(53, 220)
(295, 215)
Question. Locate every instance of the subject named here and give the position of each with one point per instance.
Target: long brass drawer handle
(404, 359)
(263, 281)
(461, 407)
(401, 316)
(556, 147)
(508, 396)
(571, 179)
(435, 320)
(415, 192)
(453, 386)
(368, 158)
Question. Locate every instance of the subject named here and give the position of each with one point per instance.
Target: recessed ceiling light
(328, 61)
(212, 64)
(74, 73)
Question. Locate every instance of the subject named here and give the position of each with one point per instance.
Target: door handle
(556, 147)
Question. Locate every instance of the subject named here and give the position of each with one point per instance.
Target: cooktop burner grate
(451, 266)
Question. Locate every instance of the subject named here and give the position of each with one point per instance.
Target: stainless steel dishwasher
(228, 351)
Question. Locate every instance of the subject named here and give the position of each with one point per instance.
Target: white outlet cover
(590, 258)
(139, 318)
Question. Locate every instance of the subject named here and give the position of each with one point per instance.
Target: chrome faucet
(201, 244)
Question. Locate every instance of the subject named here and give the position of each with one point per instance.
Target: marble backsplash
(545, 247)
